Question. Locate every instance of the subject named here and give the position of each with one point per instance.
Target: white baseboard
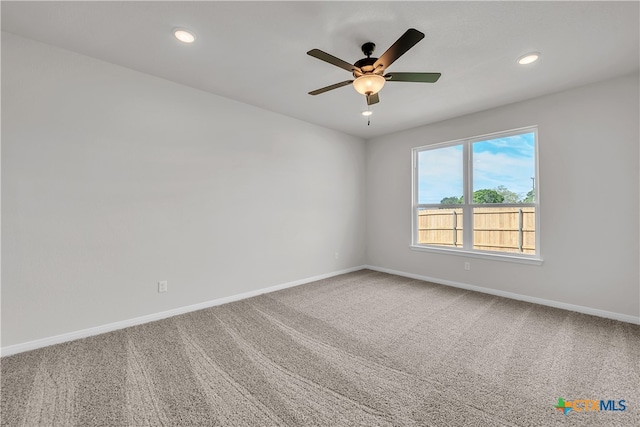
(84, 333)
(570, 307)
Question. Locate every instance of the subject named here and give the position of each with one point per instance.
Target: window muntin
(498, 179)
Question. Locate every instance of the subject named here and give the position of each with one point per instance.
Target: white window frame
(468, 205)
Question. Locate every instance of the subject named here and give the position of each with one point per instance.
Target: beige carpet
(361, 349)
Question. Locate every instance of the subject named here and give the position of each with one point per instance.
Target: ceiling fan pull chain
(368, 115)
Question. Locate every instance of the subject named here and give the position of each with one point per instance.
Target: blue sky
(508, 161)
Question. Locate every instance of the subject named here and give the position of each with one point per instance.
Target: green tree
(531, 197)
(487, 196)
(508, 195)
(453, 200)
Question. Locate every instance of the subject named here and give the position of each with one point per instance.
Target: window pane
(440, 175)
(442, 227)
(504, 169)
(510, 229)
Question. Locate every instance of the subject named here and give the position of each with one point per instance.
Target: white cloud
(440, 174)
(493, 169)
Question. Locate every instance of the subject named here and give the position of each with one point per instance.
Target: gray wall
(589, 194)
(113, 180)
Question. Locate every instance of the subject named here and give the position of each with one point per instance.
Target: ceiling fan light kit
(369, 73)
(369, 84)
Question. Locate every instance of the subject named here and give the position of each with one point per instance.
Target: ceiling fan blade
(413, 77)
(403, 44)
(328, 88)
(373, 99)
(324, 56)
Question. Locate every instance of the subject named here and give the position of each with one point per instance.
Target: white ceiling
(255, 52)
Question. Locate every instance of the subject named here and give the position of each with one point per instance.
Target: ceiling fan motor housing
(366, 65)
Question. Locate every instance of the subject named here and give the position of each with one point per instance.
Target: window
(478, 196)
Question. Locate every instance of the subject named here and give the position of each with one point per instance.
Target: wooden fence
(502, 229)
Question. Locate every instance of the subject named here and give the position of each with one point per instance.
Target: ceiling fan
(369, 72)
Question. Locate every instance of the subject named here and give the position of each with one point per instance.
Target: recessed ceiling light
(183, 35)
(367, 113)
(528, 58)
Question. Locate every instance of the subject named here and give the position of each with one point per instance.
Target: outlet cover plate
(162, 286)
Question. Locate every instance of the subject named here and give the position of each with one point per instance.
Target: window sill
(531, 260)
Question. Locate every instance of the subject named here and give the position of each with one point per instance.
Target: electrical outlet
(162, 286)
(467, 266)
(337, 255)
